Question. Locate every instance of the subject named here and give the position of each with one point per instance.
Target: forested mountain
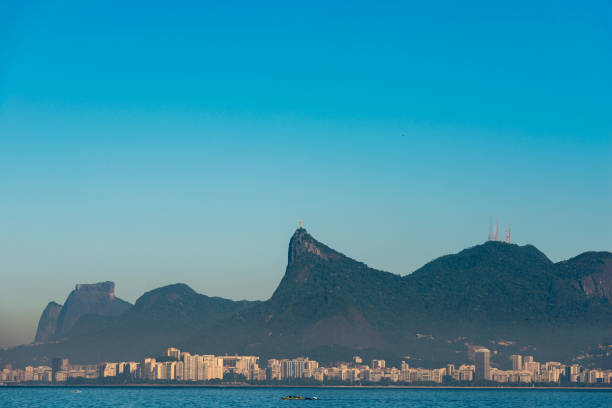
(510, 298)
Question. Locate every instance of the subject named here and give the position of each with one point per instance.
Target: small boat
(77, 391)
(311, 398)
(292, 397)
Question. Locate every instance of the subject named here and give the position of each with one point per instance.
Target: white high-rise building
(209, 367)
(167, 370)
(180, 371)
(174, 352)
(189, 367)
(298, 367)
(148, 368)
(274, 369)
(378, 364)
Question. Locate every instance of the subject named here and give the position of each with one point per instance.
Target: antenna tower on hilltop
(496, 229)
(508, 240)
(490, 228)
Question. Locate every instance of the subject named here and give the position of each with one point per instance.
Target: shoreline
(382, 387)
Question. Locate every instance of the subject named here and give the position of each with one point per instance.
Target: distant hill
(97, 298)
(590, 272)
(507, 297)
(47, 325)
(160, 318)
(328, 305)
(501, 285)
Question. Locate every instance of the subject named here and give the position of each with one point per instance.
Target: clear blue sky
(151, 144)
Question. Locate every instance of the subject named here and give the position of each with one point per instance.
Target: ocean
(271, 397)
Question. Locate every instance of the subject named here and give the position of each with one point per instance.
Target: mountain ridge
(329, 306)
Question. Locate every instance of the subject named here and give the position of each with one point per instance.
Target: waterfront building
(168, 371)
(483, 365)
(148, 369)
(378, 364)
(411, 375)
(209, 367)
(320, 374)
(572, 372)
(179, 371)
(174, 353)
(158, 371)
(517, 362)
(59, 366)
(295, 368)
(464, 373)
(274, 370)
(127, 367)
(240, 364)
(61, 376)
(533, 367)
(189, 367)
(28, 374)
(108, 370)
(256, 374)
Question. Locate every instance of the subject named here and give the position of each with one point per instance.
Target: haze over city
(159, 145)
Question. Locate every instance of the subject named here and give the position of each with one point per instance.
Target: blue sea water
(270, 397)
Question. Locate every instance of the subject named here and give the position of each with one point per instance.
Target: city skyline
(182, 367)
(164, 144)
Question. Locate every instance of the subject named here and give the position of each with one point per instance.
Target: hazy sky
(156, 144)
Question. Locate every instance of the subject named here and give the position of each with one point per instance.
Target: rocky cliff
(48, 323)
(96, 299)
(591, 272)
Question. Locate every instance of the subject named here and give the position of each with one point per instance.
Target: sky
(152, 143)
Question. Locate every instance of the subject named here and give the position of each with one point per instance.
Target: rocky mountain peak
(165, 295)
(590, 272)
(102, 287)
(94, 298)
(48, 323)
(302, 243)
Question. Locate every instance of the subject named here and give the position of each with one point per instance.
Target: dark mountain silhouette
(324, 299)
(48, 323)
(510, 298)
(330, 306)
(591, 272)
(160, 318)
(501, 284)
(95, 298)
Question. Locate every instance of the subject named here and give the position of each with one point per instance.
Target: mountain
(160, 318)
(328, 305)
(510, 298)
(325, 299)
(507, 297)
(500, 284)
(328, 298)
(590, 272)
(96, 298)
(48, 323)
